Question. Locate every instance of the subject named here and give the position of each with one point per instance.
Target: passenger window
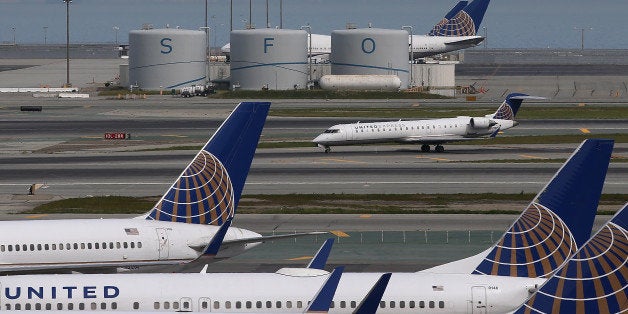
(431, 304)
(104, 245)
(1, 248)
(289, 304)
(103, 306)
(32, 247)
(249, 304)
(46, 247)
(7, 307)
(132, 245)
(227, 304)
(38, 306)
(27, 306)
(422, 304)
(118, 245)
(136, 305)
(25, 247)
(175, 305)
(10, 247)
(38, 247)
(96, 245)
(392, 304)
(258, 304)
(114, 305)
(441, 304)
(82, 246)
(81, 306)
(94, 306)
(59, 306)
(332, 305)
(402, 304)
(76, 246)
(343, 304)
(18, 307)
(68, 246)
(238, 305)
(48, 306)
(353, 304)
(54, 246)
(412, 304)
(17, 247)
(155, 305)
(70, 306)
(166, 305)
(111, 245)
(278, 304)
(216, 305)
(299, 304)
(382, 304)
(269, 304)
(126, 245)
(89, 246)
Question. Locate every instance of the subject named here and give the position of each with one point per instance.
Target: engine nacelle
(481, 123)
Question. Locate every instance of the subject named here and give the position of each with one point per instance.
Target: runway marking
(366, 216)
(36, 216)
(339, 233)
(344, 160)
(533, 157)
(302, 258)
(433, 158)
(172, 135)
(585, 131)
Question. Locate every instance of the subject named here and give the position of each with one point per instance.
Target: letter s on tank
(165, 44)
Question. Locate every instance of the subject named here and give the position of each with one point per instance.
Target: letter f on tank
(267, 43)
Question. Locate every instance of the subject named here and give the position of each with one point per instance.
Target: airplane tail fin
(209, 189)
(509, 108)
(465, 22)
(557, 222)
(459, 6)
(554, 225)
(323, 298)
(594, 280)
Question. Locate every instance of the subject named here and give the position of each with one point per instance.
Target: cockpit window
(332, 131)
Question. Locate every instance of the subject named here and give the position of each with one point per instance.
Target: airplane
(595, 280)
(550, 230)
(178, 229)
(426, 132)
(457, 30)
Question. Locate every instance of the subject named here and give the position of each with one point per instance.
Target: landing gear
(439, 148)
(425, 148)
(327, 149)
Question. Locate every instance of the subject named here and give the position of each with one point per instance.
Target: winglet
(594, 280)
(370, 303)
(209, 189)
(323, 298)
(214, 245)
(320, 259)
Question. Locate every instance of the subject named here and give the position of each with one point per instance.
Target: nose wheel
(439, 148)
(327, 149)
(425, 148)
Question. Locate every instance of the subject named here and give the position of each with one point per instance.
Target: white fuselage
(76, 244)
(434, 131)
(266, 292)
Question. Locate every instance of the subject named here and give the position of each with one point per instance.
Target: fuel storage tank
(268, 58)
(373, 51)
(166, 58)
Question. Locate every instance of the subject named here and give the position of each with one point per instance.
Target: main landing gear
(327, 149)
(438, 148)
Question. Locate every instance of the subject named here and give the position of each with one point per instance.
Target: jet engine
(481, 123)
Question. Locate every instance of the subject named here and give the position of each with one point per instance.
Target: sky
(508, 23)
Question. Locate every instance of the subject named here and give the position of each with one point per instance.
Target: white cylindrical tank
(268, 58)
(166, 58)
(360, 82)
(371, 51)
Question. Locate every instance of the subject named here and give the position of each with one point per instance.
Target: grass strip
(483, 203)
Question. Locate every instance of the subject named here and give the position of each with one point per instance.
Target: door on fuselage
(163, 243)
(478, 297)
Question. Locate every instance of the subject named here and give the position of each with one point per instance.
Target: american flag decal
(131, 231)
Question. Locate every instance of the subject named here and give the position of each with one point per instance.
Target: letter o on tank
(368, 45)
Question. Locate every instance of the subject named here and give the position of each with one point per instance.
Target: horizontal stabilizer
(272, 237)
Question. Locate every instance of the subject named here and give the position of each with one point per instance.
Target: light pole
(281, 14)
(231, 15)
(13, 29)
(485, 36)
(267, 20)
(582, 29)
(250, 13)
(411, 53)
(309, 52)
(45, 34)
(116, 29)
(207, 54)
(67, 42)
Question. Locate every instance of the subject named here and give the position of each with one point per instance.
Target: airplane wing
(272, 237)
(470, 41)
(434, 139)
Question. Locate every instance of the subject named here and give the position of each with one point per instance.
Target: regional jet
(426, 132)
(550, 230)
(195, 210)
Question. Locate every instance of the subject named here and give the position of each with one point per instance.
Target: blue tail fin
(509, 108)
(466, 22)
(595, 280)
(371, 301)
(320, 259)
(557, 222)
(209, 189)
(459, 6)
